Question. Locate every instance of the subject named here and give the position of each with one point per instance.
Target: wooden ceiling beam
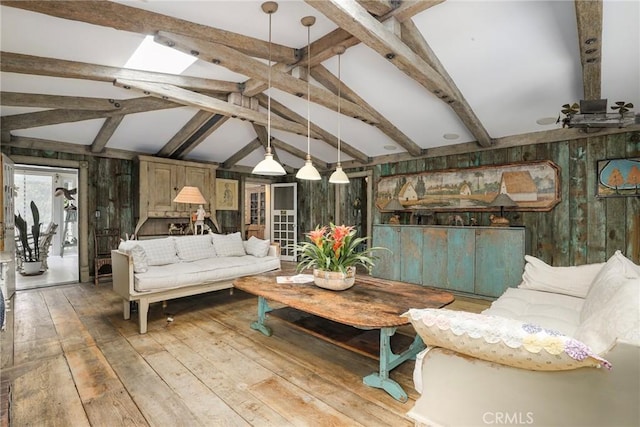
(114, 15)
(413, 38)
(24, 142)
(40, 66)
(323, 48)
(325, 136)
(106, 132)
(328, 80)
(199, 119)
(541, 137)
(240, 63)
(409, 8)
(589, 20)
(349, 15)
(241, 154)
(54, 117)
(377, 7)
(18, 99)
(209, 127)
(281, 145)
(210, 104)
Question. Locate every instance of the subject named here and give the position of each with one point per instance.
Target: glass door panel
(284, 219)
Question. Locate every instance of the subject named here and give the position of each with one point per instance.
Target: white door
(8, 271)
(284, 219)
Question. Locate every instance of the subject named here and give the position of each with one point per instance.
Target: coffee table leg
(263, 309)
(388, 361)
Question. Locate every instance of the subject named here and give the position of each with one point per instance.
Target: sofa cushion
(203, 271)
(574, 281)
(228, 244)
(257, 247)
(607, 282)
(619, 318)
(193, 248)
(160, 251)
(501, 340)
(138, 255)
(551, 311)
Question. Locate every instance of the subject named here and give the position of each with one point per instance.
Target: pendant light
(269, 166)
(339, 177)
(308, 171)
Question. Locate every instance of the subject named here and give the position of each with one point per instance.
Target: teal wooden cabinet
(475, 260)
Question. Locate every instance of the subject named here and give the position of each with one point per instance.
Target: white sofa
(498, 368)
(149, 271)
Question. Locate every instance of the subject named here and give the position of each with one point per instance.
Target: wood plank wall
(580, 229)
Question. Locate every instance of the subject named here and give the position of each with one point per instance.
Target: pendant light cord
(308, 90)
(269, 96)
(339, 85)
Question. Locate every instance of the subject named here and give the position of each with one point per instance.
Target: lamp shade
(190, 195)
(502, 200)
(308, 171)
(268, 166)
(394, 205)
(339, 177)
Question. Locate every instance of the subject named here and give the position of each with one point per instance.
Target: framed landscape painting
(618, 177)
(529, 186)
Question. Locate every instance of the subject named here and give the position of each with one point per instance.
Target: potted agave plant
(334, 252)
(30, 254)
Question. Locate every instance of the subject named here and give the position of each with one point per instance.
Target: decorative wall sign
(226, 194)
(618, 177)
(533, 186)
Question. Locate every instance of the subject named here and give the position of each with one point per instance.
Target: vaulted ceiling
(417, 78)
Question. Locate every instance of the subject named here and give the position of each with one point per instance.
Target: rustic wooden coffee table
(370, 304)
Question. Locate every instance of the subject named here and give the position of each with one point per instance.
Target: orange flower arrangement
(334, 248)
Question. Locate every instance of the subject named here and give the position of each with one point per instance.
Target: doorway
(55, 193)
(256, 209)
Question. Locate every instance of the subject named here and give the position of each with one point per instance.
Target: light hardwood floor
(69, 359)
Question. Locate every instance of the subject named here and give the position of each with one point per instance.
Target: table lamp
(502, 201)
(191, 196)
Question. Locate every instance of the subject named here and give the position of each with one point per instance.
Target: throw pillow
(228, 244)
(502, 340)
(574, 281)
(607, 282)
(138, 255)
(257, 247)
(619, 318)
(160, 251)
(193, 248)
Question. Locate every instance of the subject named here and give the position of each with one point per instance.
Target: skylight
(152, 56)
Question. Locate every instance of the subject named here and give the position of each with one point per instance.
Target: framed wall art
(226, 194)
(618, 177)
(530, 186)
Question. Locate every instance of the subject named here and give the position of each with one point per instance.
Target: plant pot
(30, 268)
(334, 280)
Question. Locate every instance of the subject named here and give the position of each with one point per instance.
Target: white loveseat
(532, 357)
(149, 271)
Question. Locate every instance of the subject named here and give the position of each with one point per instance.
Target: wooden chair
(104, 241)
